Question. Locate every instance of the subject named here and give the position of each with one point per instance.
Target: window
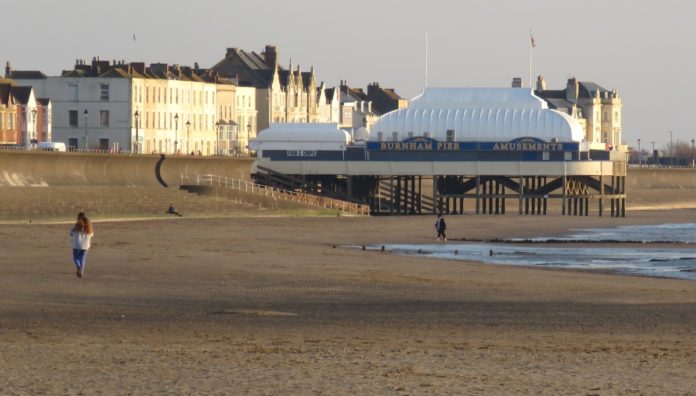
(395, 136)
(410, 135)
(72, 143)
(450, 135)
(72, 118)
(72, 92)
(426, 134)
(2, 117)
(103, 144)
(103, 118)
(379, 136)
(104, 91)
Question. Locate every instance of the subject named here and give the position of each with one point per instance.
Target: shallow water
(648, 261)
(659, 233)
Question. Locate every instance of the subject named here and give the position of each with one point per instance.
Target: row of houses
(174, 109)
(24, 118)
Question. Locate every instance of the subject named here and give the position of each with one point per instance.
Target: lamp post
(85, 113)
(640, 155)
(217, 136)
(33, 122)
(188, 137)
(176, 133)
(671, 149)
(692, 154)
(247, 138)
(136, 147)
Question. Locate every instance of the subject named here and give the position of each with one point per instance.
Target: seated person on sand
(173, 211)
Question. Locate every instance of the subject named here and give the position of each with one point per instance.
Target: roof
(21, 94)
(481, 98)
(303, 132)
(249, 68)
(479, 114)
(43, 101)
(588, 89)
(27, 75)
(5, 93)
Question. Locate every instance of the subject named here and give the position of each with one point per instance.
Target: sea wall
(40, 168)
(660, 188)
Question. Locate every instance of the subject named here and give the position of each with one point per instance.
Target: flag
(531, 37)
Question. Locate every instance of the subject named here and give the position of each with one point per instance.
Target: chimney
(541, 84)
(230, 52)
(138, 67)
(8, 69)
(270, 55)
(517, 82)
(572, 90)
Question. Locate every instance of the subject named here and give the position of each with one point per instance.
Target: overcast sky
(644, 49)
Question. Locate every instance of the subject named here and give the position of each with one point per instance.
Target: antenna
(426, 59)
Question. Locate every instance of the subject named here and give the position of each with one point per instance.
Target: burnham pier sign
(421, 143)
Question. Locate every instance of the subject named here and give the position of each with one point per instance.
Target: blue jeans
(79, 258)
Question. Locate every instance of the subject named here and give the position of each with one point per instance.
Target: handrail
(278, 193)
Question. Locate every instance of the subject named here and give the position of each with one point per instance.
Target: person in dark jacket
(440, 227)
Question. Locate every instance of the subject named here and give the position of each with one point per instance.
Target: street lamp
(692, 154)
(85, 114)
(247, 137)
(136, 147)
(33, 121)
(176, 133)
(217, 136)
(671, 149)
(188, 137)
(639, 153)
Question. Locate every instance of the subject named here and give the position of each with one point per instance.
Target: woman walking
(81, 235)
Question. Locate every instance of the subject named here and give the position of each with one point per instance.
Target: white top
(80, 240)
(292, 136)
(478, 114)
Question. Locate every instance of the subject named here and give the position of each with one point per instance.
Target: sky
(643, 49)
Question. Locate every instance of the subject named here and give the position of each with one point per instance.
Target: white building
(110, 106)
(477, 114)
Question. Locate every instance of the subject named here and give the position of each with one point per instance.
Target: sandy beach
(276, 305)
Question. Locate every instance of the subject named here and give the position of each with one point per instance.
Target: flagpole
(426, 59)
(530, 64)
(531, 46)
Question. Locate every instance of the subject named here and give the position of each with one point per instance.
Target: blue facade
(427, 149)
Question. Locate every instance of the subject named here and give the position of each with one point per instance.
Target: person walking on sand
(440, 227)
(81, 234)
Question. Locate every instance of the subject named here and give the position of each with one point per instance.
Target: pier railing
(277, 193)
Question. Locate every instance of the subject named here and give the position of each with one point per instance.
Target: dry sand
(268, 306)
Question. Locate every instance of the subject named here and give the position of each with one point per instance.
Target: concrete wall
(653, 188)
(36, 168)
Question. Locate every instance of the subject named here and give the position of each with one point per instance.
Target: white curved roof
(478, 114)
(291, 136)
(480, 98)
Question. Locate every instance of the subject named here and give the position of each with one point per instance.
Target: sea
(620, 250)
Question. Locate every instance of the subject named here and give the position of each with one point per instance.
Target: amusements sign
(421, 143)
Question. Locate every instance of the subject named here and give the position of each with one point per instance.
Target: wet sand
(270, 306)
